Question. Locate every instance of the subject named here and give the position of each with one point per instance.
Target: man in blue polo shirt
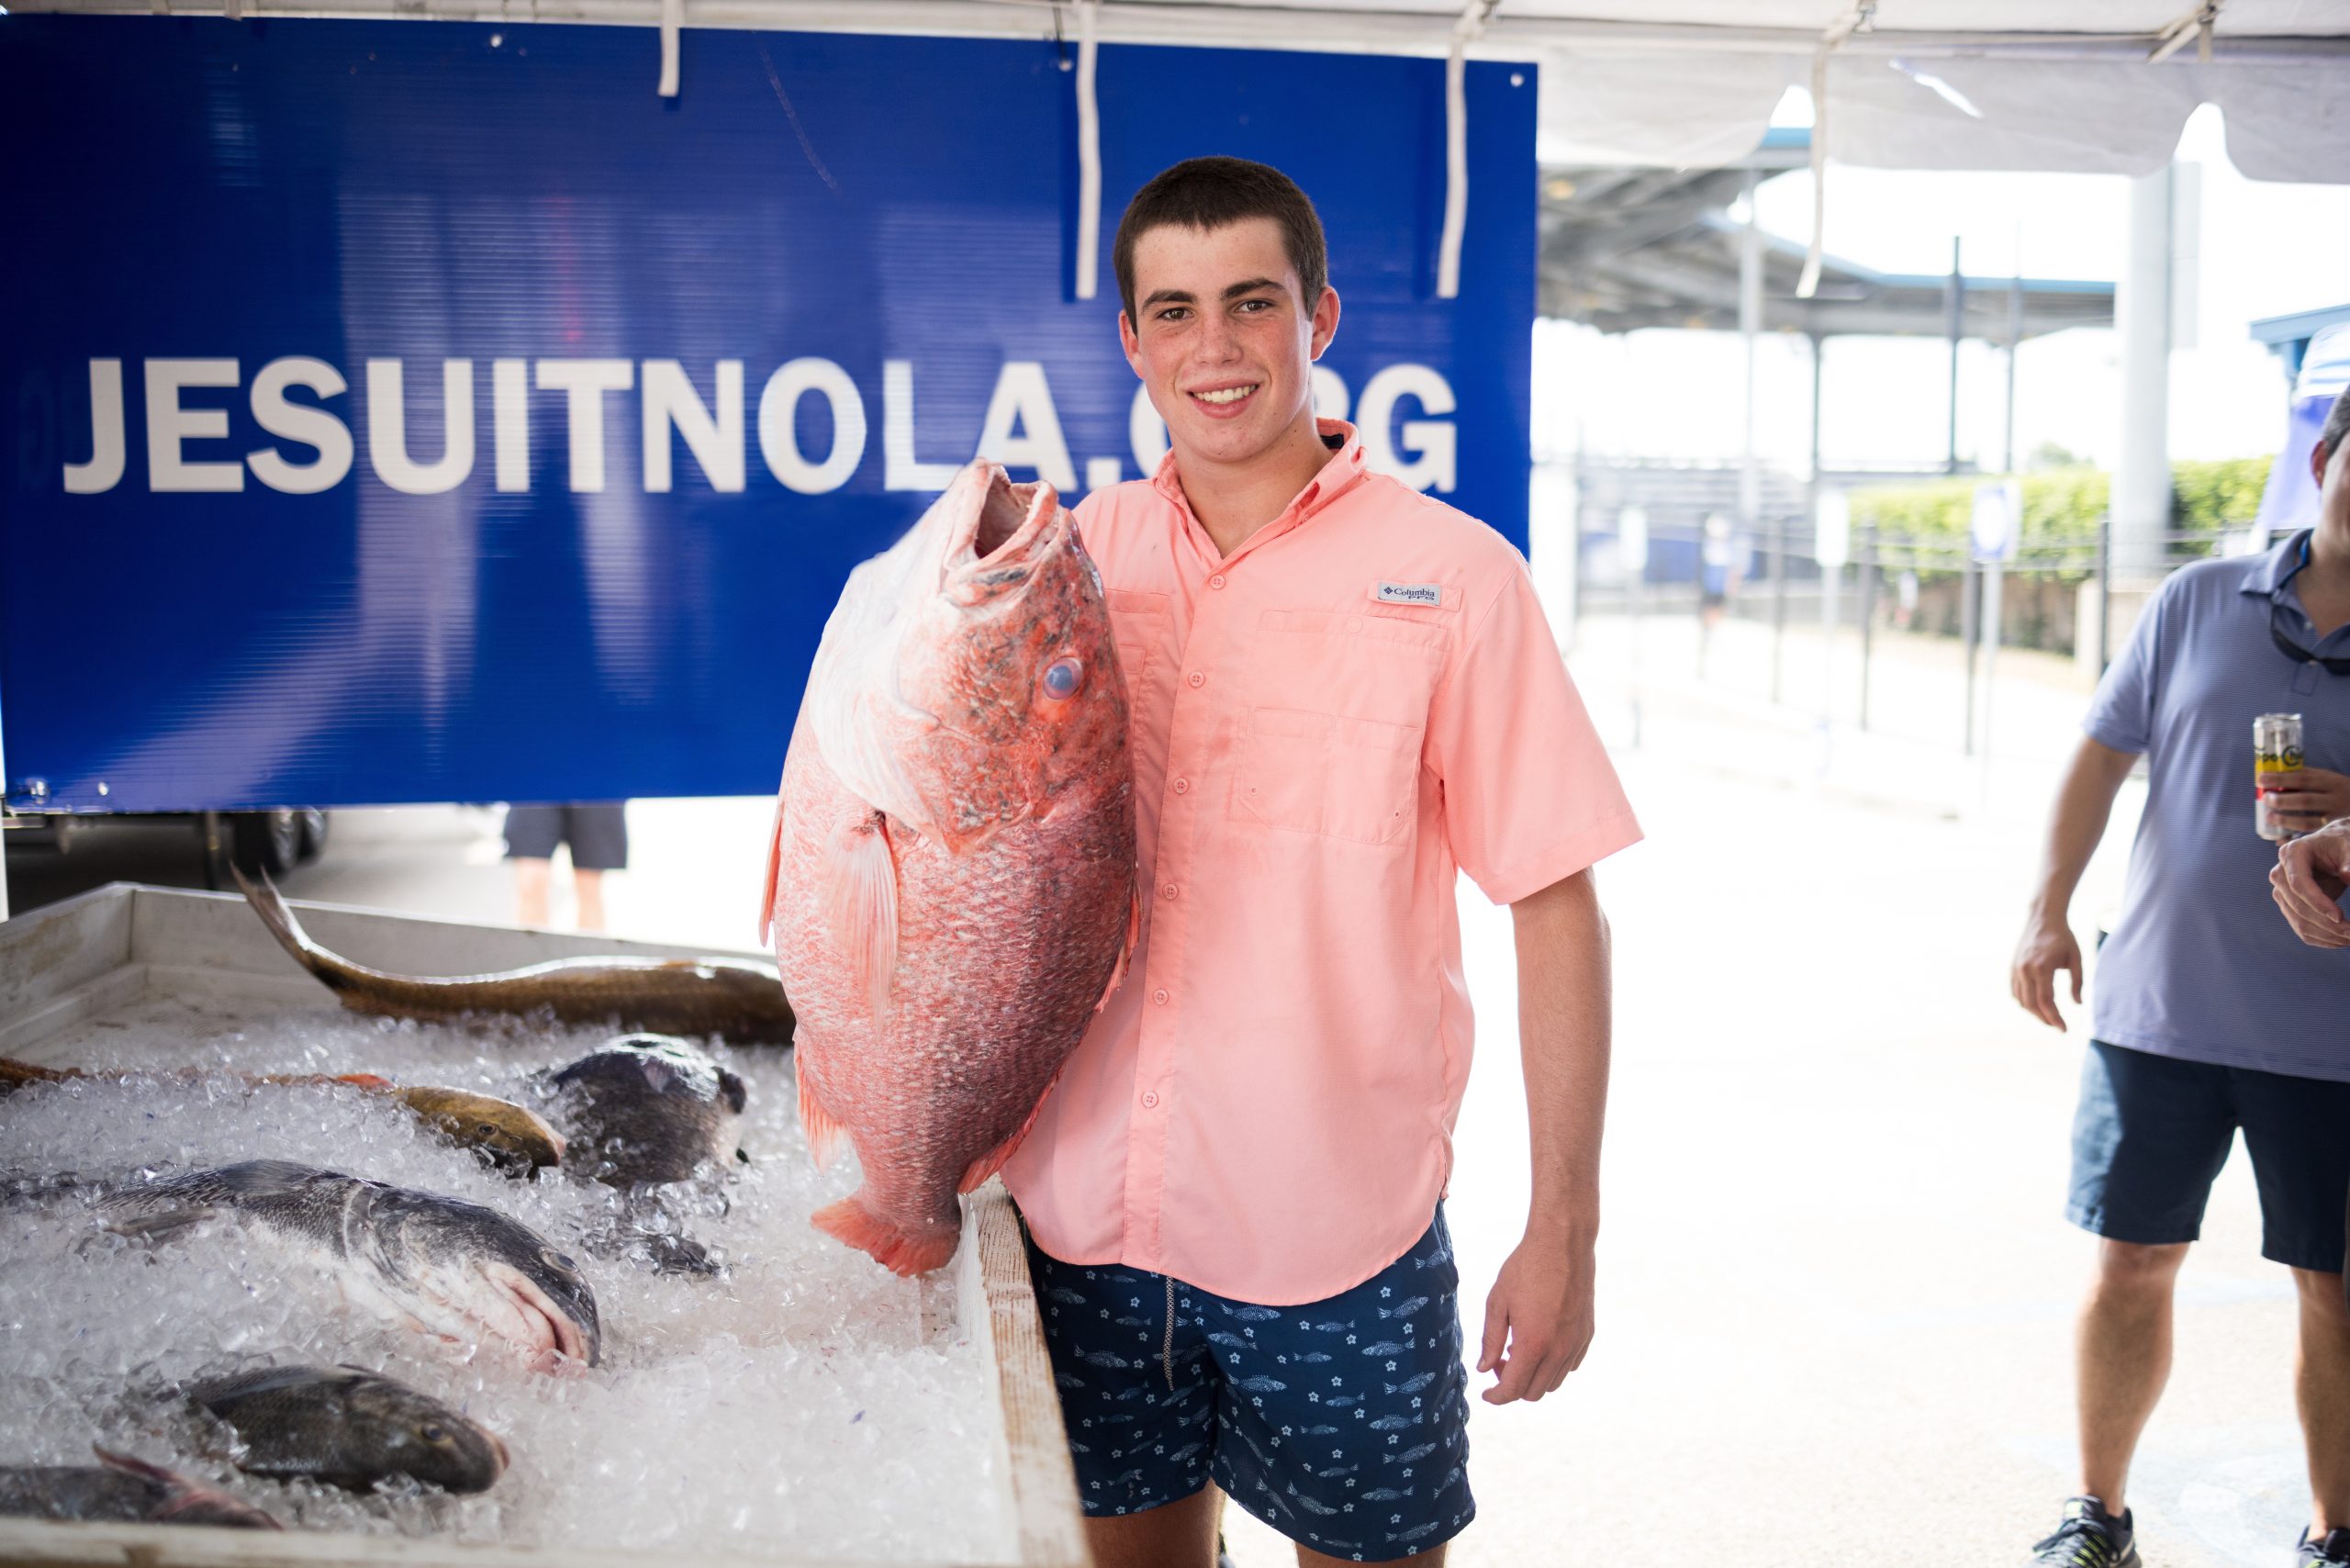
(2210, 1014)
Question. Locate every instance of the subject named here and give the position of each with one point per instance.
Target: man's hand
(1540, 1312)
(2046, 950)
(2306, 800)
(2309, 875)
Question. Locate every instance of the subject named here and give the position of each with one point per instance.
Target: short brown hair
(2337, 422)
(1209, 193)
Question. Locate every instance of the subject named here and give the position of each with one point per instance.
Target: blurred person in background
(597, 833)
(2209, 1016)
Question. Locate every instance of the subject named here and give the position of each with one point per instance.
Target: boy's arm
(1539, 1317)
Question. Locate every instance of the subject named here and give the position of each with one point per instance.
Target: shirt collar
(2269, 574)
(1336, 476)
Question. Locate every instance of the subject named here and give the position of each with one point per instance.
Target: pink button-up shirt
(1328, 723)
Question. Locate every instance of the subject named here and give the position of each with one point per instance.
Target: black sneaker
(2090, 1538)
(2334, 1548)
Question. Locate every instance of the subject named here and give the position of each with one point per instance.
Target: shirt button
(1196, 678)
(1160, 996)
(1182, 786)
(1167, 891)
(1150, 1100)
(1217, 581)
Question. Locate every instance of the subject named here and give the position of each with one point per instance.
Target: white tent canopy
(2086, 86)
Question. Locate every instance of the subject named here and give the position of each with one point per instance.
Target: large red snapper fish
(951, 886)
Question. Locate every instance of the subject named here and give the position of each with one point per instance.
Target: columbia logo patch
(1409, 593)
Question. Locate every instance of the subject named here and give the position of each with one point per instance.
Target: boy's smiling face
(1222, 339)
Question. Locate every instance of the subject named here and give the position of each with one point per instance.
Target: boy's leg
(1180, 1534)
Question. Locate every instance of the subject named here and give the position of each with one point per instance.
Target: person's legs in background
(532, 833)
(589, 884)
(599, 836)
(533, 877)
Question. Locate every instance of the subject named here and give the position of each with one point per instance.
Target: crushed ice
(808, 1404)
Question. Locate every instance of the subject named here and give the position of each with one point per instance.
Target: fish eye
(1062, 677)
(433, 1434)
(553, 1258)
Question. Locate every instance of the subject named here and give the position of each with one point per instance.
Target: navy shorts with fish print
(1342, 1424)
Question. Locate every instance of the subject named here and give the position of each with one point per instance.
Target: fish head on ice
(968, 678)
(648, 1108)
(492, 1273)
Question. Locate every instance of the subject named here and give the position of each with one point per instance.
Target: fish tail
(900, 1248)
(270, 904)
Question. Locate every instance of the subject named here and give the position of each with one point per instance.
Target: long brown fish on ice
(742, 1001)
(951, 884)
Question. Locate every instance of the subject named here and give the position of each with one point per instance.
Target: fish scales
(952, 881)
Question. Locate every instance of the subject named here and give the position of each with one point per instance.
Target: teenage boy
(1343, 693)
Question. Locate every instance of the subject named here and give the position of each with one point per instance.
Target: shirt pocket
(1336, 720)
(1329, 774)
(1139, 622)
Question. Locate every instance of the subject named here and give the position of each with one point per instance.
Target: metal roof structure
(2288, 337)
(1628, 248)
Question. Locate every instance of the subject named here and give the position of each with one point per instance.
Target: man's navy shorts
(1342, 1424)
(2153, 1131)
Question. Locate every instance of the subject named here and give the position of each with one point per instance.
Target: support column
(1750, 327)
(1954, 297)
(2142, 315)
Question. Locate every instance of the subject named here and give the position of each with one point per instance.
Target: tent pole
(1955, 293)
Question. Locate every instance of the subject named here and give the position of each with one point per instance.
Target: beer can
(2275, 749)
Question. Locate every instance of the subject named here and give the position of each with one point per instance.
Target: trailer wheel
(267, 840)
(313, 824)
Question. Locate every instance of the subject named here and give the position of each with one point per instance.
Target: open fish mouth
(549, 1333)
(995, 549)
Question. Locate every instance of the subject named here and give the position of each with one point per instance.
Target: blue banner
(427, 411)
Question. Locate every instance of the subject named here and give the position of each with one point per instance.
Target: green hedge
(2061, 505)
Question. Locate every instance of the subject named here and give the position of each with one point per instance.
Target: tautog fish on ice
(951, 886)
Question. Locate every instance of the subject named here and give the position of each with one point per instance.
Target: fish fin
(1133, 939)
(161, 1226)
(363, 1081)
(775, 874)
(131, 1465)
(823, 1130)
(893, 1245)
(861, 900)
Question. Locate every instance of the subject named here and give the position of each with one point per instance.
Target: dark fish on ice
(455, 1269)
(738, 999)
(349, 1427)
(510, 1136)
(121, 1490)
(646, 1109)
